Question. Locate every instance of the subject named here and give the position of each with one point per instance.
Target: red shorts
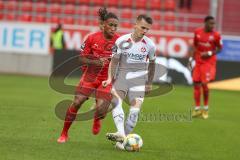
(204, 72)
(94, 87)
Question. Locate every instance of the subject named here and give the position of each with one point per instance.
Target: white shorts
(132, 84)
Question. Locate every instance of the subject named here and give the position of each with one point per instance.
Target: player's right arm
(86, 57)
(113, 65)
(88, 61)
(192, 50)
(111, 71)
(191, 57)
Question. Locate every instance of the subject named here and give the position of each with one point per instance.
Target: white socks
(118, 117)
(131, 120)
(205, 108)
(197, 108)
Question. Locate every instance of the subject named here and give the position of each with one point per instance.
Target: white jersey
(133, 62)
(134, 56)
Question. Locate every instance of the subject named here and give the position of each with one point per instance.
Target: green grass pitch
(29, 128)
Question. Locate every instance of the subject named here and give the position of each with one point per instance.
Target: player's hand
(106, 83)
(148, 88)
(206, 54)
(101, 61)
(189, 66)
(104, 60)
(97, 62)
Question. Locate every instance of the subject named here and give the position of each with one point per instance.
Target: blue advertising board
(231, 49)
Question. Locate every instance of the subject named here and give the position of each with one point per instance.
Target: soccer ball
(133, 142)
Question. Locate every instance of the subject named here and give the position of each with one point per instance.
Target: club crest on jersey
(211, 38)
(143, 49)
(124, 45)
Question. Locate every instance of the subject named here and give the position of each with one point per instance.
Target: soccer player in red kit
(95, 54)
(207, 43)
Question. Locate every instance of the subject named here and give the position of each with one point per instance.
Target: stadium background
(29, 129)
(26, 27)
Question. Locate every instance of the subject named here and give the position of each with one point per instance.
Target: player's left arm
(191, 50)
(218, 43)
(151, 69)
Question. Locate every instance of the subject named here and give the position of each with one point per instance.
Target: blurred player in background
(57, 41)
(134, 76)
(95, 54)
(207, 43)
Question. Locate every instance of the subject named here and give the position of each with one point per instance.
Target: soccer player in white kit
(134, 63)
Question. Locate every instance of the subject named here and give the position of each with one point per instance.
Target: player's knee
(197, 84)
(137, 102)
(79, 100)
(100, 115)
(102, 109)
(116, 101)
(205, 87)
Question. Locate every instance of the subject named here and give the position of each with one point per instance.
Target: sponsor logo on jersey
(205, 44)
(135, 57)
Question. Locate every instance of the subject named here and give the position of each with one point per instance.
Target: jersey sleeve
(152, 51)
(116, 50)
(85, 49)
(195, 39)
(218, 42)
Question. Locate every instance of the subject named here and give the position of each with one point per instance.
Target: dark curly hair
(105, 15)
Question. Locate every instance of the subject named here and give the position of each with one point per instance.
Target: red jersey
(96, 46)
(206, 41)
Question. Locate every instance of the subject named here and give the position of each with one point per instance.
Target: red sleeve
(86, 47)
(195, 39)
(218, 42)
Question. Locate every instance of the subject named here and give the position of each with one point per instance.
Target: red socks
(197, 94)
(205, 94)
(70, 117)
